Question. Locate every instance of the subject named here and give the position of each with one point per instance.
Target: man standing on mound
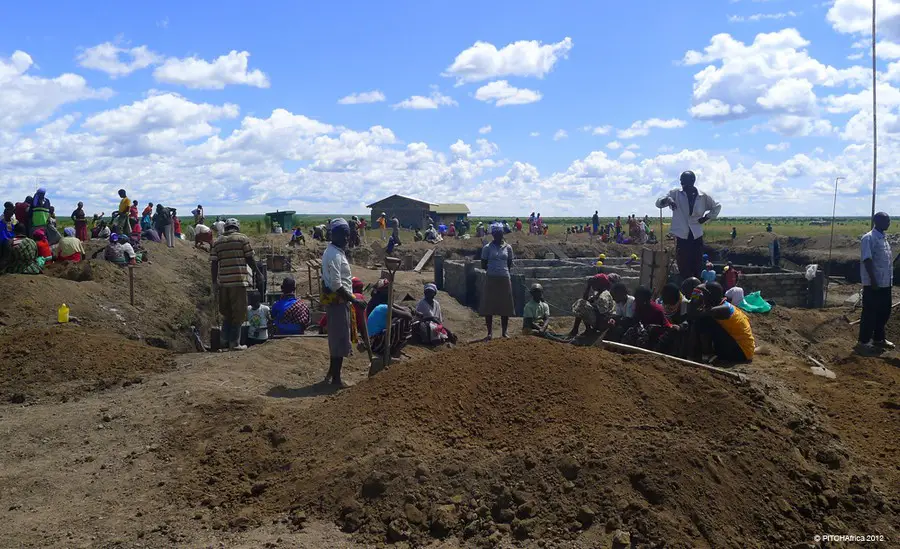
(877, 272)
(337, 295)
(690, 210)
(231, 255)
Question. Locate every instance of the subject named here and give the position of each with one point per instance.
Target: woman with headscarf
(496, 295)
(40, 210)
(24, 254)
(431, 329)
(70, 248)
(114, 252)
(80, 220)
(45, 253)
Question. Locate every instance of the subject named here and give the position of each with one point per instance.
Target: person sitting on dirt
(708, 274)
(431, 329)
(297, 237)
(45, 252)
(114, 252)
(202, 235)
(151, 234)
(717, 323)
(651, 322)
(431, 235)
(536, 313)
(596, 285)
(23, 253)
(451, 231)
(70, 248)
(101, 231)
(259, 318)
(380, 292)
(319, 233)
(290, 315)
(418, 236)
(401, 329)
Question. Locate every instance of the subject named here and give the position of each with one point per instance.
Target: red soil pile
(527, 439)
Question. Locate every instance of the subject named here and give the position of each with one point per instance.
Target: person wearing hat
(230, 256)
(39, 211)
(537, 311)
(70, 248)
(382, 224)
(691, 208)
(496, 295)
(337, 295)
(431, 318)
(114, 253)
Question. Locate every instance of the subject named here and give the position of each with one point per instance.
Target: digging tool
(391, 264)
(733, 376)
(855, 322)
(215, 332)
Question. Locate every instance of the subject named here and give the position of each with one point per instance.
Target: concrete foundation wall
(565, 283)
(787, 289)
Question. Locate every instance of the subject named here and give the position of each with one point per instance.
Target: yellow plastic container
(62, 314)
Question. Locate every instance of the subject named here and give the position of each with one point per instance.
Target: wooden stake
(733, 376)
(131, 283)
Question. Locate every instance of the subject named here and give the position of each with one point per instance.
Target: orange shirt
(738, 327)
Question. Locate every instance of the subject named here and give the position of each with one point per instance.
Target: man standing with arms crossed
(690, 210)
(877, 272)
(230, 256)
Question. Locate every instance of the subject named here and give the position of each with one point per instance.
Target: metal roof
(375, 204)
(447, 209)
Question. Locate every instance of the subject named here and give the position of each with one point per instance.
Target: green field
(719, 229)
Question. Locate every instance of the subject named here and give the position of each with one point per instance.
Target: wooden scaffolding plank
(424, 261)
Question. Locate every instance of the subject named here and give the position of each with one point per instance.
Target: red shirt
(44, 248)
(177, 225)
(651, 314)
(518, 225)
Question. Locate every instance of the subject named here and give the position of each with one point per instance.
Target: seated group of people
(693, 321)
(290, 315)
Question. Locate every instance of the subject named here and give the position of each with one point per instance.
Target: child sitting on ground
(259, 318)
(708, 274)
(536, 313)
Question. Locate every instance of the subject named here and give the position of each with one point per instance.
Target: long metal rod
(874, 121)
(831, 241)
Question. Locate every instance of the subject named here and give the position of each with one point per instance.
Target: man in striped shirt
(231, 255)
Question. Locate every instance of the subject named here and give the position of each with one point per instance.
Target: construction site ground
(117, 433)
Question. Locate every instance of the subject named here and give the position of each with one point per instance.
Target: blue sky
(507, 106)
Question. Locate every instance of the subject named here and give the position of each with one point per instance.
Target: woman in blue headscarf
(40, 211)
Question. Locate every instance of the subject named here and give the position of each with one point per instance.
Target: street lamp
(831, 242)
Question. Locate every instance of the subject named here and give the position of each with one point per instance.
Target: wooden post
(660, 235)
(131, 283)
(733, 376)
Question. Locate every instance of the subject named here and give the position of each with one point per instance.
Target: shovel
(391, 264)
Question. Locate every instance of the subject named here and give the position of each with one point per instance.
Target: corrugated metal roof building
(414, 213)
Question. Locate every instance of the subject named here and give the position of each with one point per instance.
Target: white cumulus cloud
(433, 101)
(535, 134)
(613, 145)
(642, 127)
(501, 94)
(783, 146)
(757, 17)
(27, 99)
(485, 129)
(483, 61)
(560, 134)
(117, 61)
(373, 96)
(196, 73)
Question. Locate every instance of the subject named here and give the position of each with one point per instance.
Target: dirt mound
(528, 439)
(172, 293)
(61, 361)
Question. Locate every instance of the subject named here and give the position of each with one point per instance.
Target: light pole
(874, 122)
(831, 241)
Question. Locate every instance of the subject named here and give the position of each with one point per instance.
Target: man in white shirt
(337, 295)
(690, 210)
(877, 272)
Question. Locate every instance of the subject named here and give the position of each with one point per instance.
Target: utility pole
(874, 122)
(831, 242)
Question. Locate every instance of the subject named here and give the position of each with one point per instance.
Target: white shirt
(685, 222)
(875, 246)
(626, 309)
(128, 250)
(735, 294)
(258, 320)
(336, 269)
(220, 227)
(200, 228)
